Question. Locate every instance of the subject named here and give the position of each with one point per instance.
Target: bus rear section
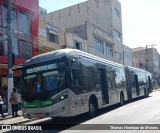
(138, 82)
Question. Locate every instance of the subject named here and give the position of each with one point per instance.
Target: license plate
(38, 115)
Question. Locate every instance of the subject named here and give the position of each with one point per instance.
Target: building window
(118, 55)
(42, 12)
(53, 38)
(25, 24)
(109, 50)
(156, 60)
(21, 24)
(26, 49)
(77, 45)
(5, 20)
(141, 65)
(15, 47)
(116, 12)
(0, 20)
(117, 35)
(99, 45)
(52, 34)
(14, 21)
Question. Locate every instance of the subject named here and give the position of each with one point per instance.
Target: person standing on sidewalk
(14, 102)
(1, 107)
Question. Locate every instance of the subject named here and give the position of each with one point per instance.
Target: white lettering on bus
(41, 68)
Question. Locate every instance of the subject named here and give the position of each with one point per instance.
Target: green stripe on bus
(38, 103)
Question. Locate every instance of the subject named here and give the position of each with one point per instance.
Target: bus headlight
(61, 97)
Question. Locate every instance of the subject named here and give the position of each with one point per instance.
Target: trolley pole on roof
(10, 61)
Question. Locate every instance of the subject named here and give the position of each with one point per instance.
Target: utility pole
(10, 63)
(146, 58)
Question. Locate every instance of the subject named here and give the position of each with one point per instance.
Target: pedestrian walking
(1, 107)
(14, 98)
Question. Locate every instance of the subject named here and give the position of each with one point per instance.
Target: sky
(140, 20)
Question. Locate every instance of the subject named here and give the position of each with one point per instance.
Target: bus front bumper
(42, 112)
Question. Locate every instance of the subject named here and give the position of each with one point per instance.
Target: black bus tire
(92, 107)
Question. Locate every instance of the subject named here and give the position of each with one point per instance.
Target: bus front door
(104, 86)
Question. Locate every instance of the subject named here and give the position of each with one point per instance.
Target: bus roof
(137, 69)
(66, 52)
(47, 56)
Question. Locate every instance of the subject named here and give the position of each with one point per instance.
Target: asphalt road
(139, 116)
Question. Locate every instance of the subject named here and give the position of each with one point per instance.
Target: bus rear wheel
(92, 108)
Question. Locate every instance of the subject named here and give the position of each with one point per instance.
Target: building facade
(99, 22)
(42, 12)
(127, 56)
(24, 25)
(53, 38)
(153, 62)
(139, 57)
(50, 37)
(148, 59)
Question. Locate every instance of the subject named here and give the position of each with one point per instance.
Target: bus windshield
(42, 85)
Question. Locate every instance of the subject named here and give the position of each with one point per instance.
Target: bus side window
(111, 79)
(75, 77)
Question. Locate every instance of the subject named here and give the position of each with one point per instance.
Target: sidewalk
(10, 116)
(14, 120)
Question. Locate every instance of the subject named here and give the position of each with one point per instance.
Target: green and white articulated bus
(69, 82)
